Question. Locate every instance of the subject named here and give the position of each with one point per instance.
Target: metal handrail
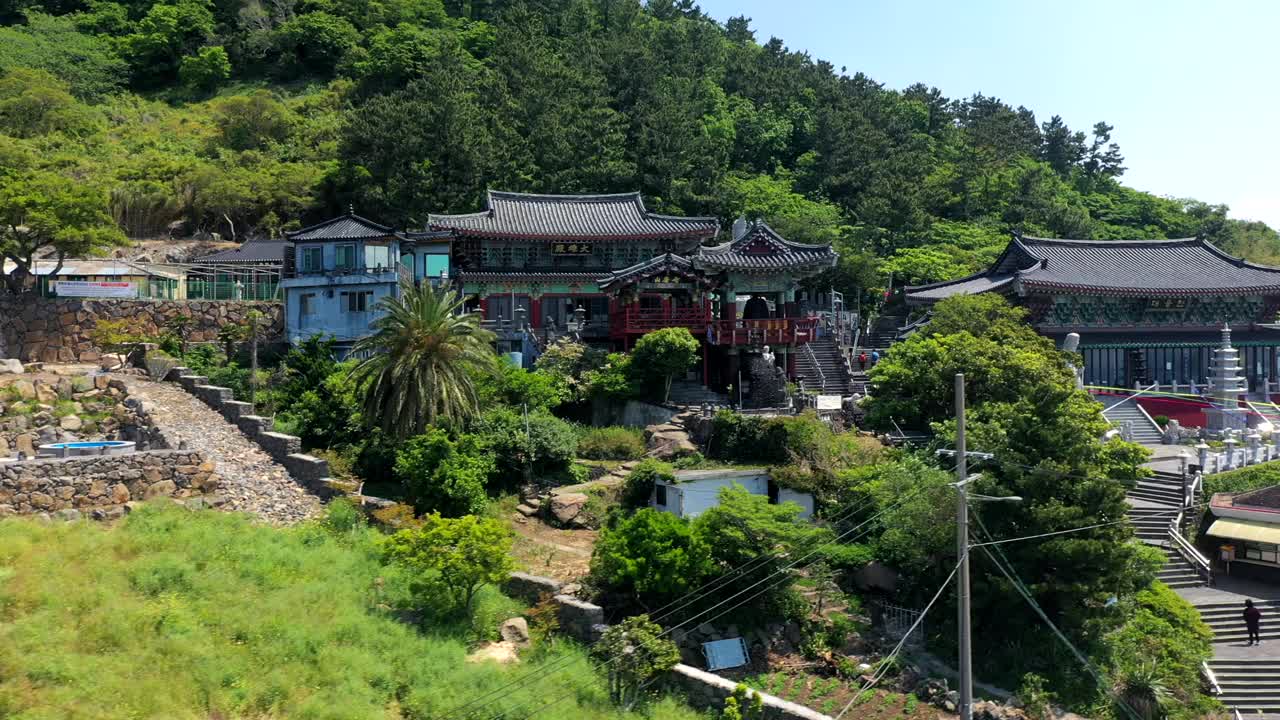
(1180, 543)
(822, 377)
(1214, 687)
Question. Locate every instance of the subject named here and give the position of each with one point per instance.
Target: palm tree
(420, 361)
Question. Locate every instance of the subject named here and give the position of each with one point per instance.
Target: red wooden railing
(779, 331)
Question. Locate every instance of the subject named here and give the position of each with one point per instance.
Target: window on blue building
(377, 256)
(344, 257)
(437, 266)
(312, 259)
(357, 301)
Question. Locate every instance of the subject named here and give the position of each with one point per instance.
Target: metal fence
(898, 621)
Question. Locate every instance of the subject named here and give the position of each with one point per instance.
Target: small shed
(696, 491)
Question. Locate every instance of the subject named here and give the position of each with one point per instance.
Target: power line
(605, 665)
(884, 662)
(553, 667)
(1025, 592)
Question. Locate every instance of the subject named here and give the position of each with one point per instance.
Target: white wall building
(696, 491)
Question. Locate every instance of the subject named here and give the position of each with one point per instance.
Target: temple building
(615, 271)
(1147, 311)
(600, 266)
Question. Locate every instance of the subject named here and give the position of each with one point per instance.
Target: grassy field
(174, 614)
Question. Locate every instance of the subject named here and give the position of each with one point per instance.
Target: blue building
(337, 271)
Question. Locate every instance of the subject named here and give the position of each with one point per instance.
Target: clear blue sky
(1190, 86)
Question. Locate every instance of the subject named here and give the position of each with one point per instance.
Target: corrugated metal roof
(1252, 530)
(104, 268)
(253, 251)
(603, 217)
(760, 248)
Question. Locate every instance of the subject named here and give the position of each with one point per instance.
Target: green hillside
(245, 117)
(172, 614)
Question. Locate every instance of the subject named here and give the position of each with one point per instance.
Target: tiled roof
(261, 252)
(758, 248)
(1139, 268)
(343, 227)
(971, 285)
(665, 263)
(590, 217)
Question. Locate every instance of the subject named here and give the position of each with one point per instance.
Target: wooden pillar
(791, 362)
(484, 307)
(535, 311)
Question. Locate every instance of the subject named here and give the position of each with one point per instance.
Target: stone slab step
(526, 511)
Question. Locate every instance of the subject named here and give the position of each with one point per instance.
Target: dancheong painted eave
(620, 216)
(1135, 268)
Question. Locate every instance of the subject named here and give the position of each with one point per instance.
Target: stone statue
(767, 354)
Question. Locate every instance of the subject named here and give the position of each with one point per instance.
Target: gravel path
(250, 480)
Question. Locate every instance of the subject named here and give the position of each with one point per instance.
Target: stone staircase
(1120, 411)
(825, 369)
(689, 393)
(1153, 503)
(884, 332)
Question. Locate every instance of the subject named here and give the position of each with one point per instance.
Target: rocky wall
(102, 486)
(39, 329)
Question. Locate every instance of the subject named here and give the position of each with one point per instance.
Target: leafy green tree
(638, 486)
(663, 354)
(328, 416)
(513, 385)
(747, 531)
(254, 121)
(205, 70)
(459, 555)
(35, 103)
(651, 557)
(637, 652)
(46, 212)
(88, 65)
(443, 475)
(569, 362)
(423, 356)
(317, 41)
(168, 31)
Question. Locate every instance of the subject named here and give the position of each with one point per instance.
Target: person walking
(862, 360)
(875, 357)
(1253, 621)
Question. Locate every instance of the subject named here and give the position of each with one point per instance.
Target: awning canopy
(1245, 530)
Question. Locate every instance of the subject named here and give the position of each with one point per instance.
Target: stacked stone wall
(307, 470)
(39, 329)
(101, 486)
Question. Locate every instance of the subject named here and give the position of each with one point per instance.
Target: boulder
(70, 422)
(566, 507)
(10, 366)
(514, 630)
(67, 515)
(25, 389)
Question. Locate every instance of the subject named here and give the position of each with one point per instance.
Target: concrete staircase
(1126, 410)
(825, 369)
(1154, 502)
(1250, 685)
(1228, 625)
(1161, 490)
(1177, 572)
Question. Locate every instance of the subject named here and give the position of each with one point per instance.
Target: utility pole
(962, 548)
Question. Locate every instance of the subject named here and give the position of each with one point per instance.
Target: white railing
(1180, 543)
(1214, 687)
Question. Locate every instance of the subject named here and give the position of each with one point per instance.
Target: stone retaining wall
(707, 690)
(307, 470)
(34, 328)
(101, 486)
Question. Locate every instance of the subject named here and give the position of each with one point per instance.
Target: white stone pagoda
(1229, 388)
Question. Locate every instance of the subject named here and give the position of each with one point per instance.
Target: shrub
(442, 475)
(612, 380)
(520, 388)
(539, 442)
(457, 555)
(1161, 420)
(612, 443)
(638, 487)
(636, 652)
(651, 557)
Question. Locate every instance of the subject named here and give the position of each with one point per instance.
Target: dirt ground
(551, 552)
